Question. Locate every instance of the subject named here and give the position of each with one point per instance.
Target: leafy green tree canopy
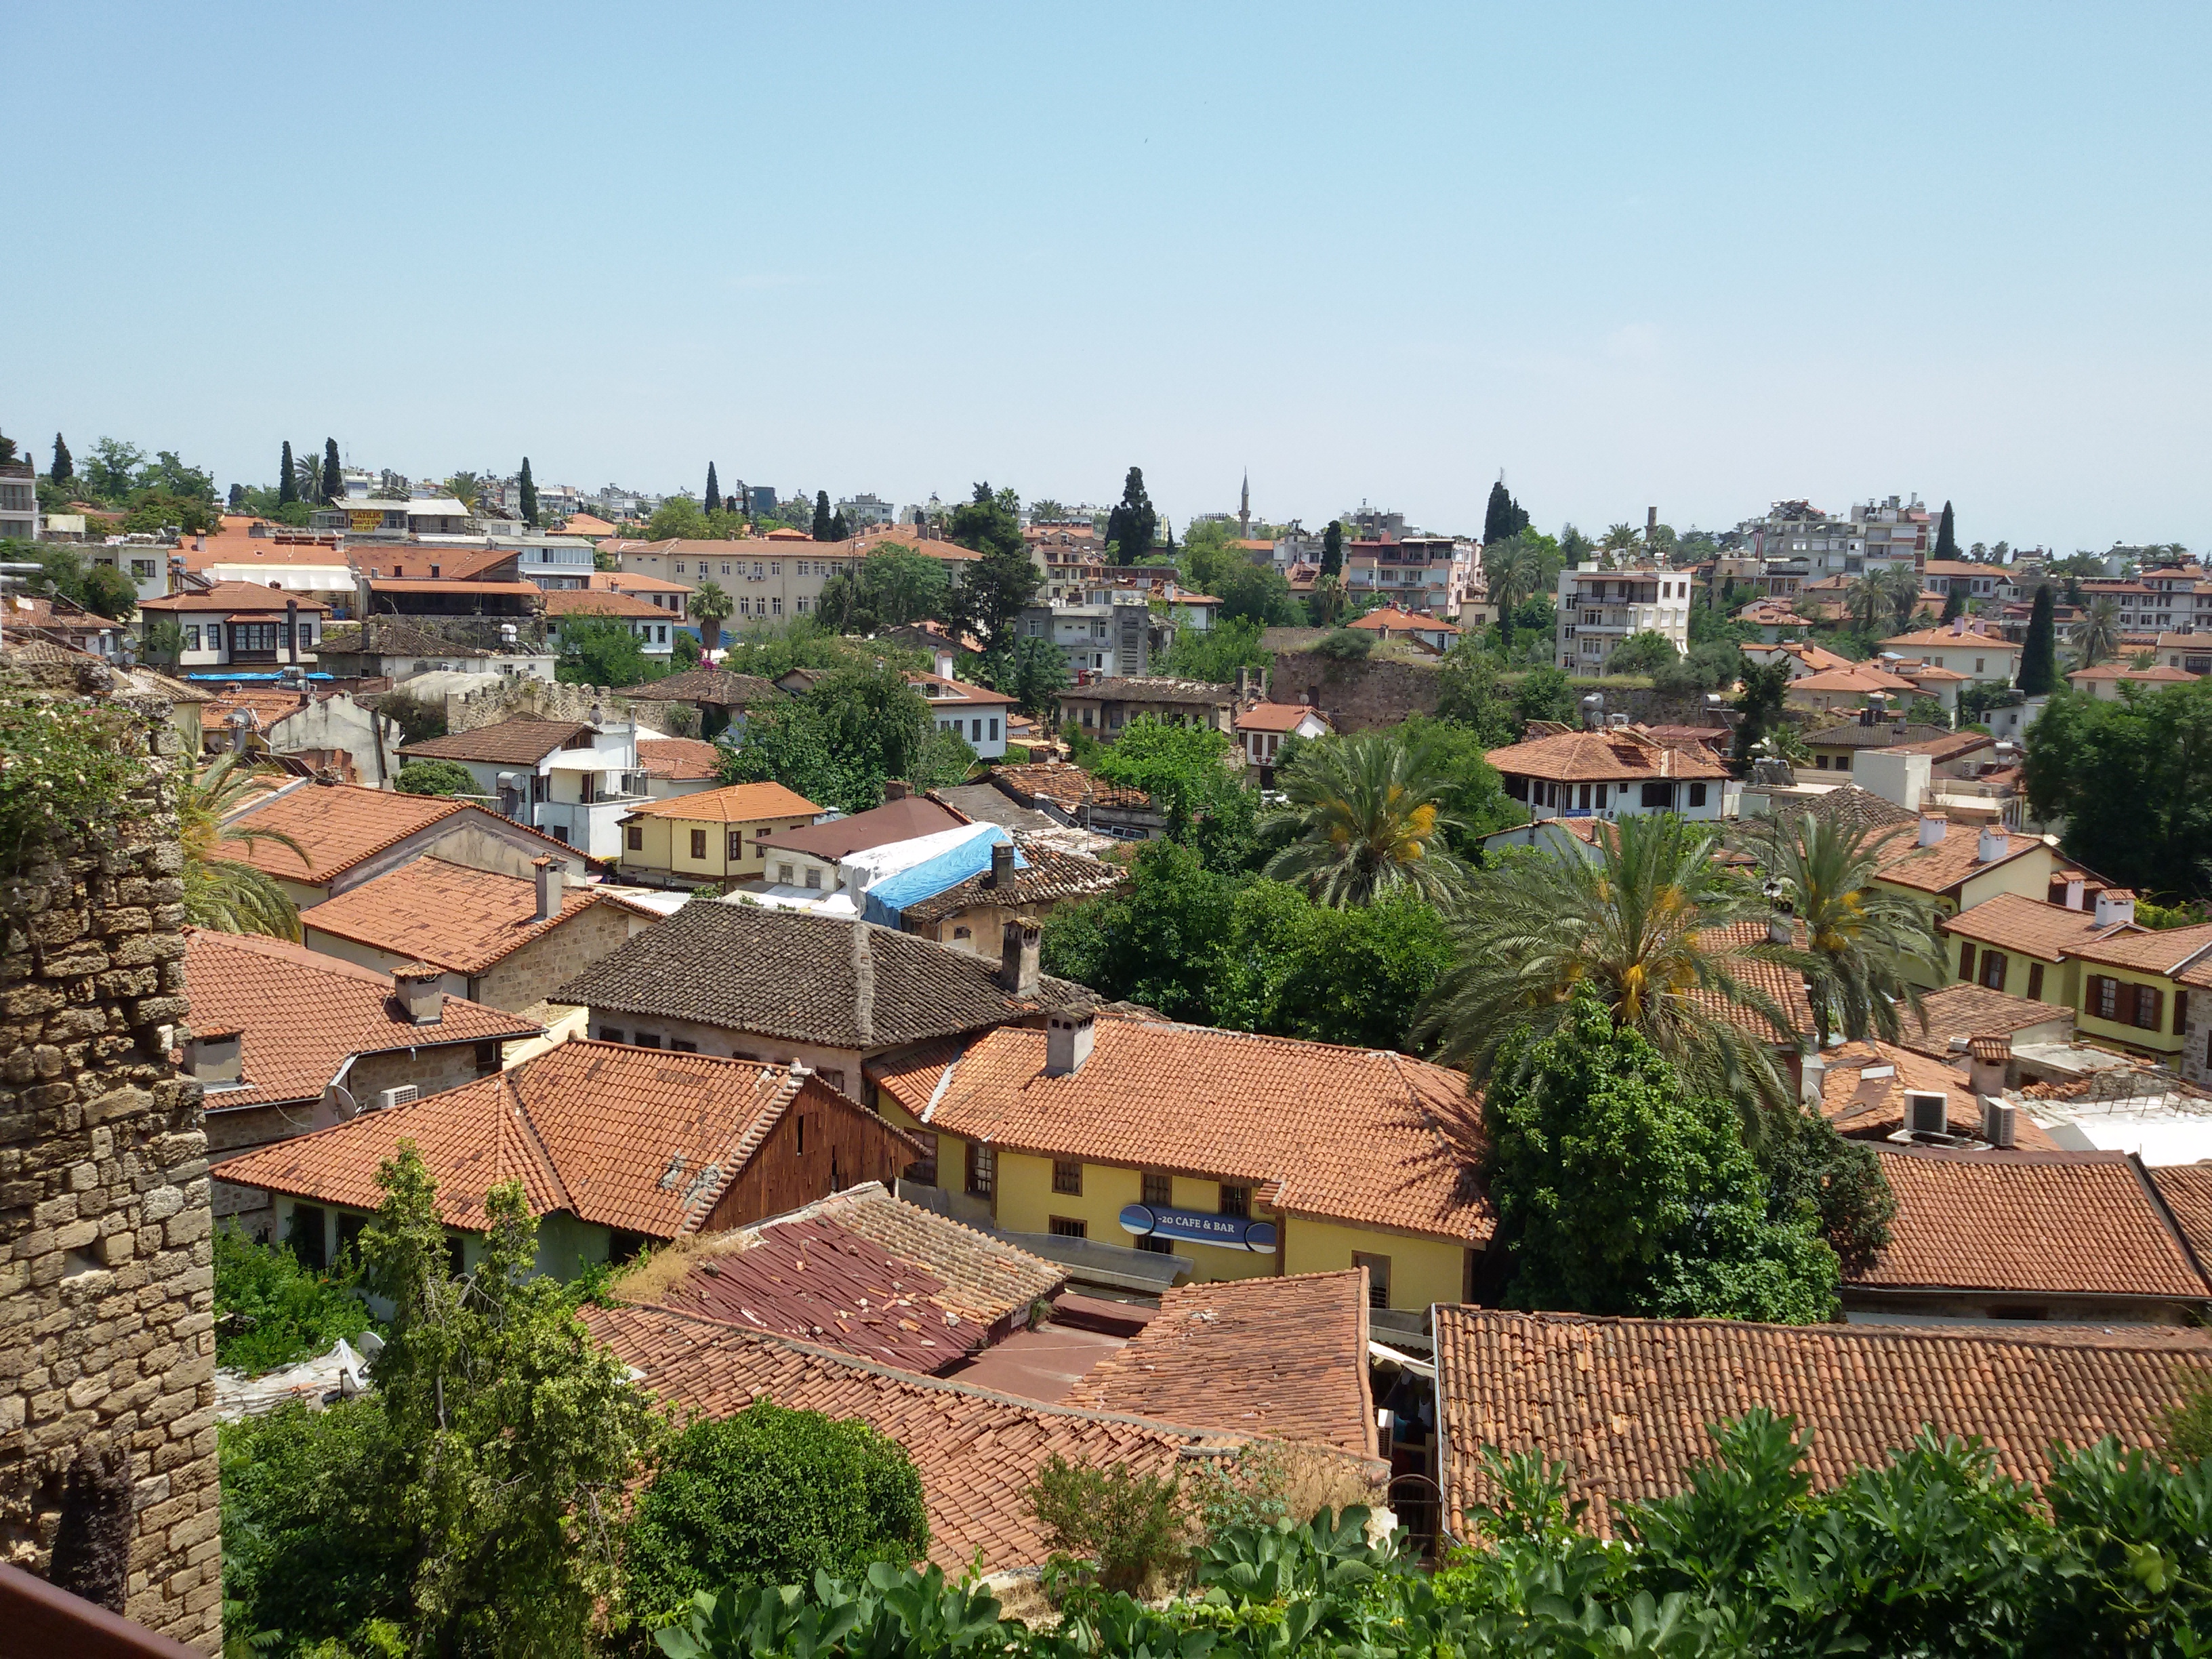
(2132, 779)
(602, 651)
(434, 777)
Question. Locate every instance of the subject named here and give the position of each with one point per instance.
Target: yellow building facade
(711, 839)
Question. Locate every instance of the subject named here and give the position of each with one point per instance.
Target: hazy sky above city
(1699, 256)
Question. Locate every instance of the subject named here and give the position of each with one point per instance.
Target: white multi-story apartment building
(865, 511)
(1873, 536)
(776, 577)
(1428, 574)
(1599, 608)
(19, 501)
(1112, 637)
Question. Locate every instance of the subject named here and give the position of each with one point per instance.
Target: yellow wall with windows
(1422, 1270)
(2089, 1024)
(667, 847)
(2062, 981)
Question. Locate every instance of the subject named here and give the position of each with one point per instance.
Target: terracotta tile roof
(267, 707)
(521, 741)
(1868, 1103)
(1066, 786)
(1856, 808)
(393, 636)
(810, 979)
(1785, 986)
(939, 692)
(1977, 633)
(583, 602)
(879, 826)
(2159, 675)
(1947, 747)
(2186, 1189)
(631, 581)
(585, 524)
(869, 1275)
(1285, 1357)
(635, 1138)
(2152, 950)
(1276, 716)
(302, 1014)
(461, 920)
(1052, 875)
(1390, 616)
(708, 684)
(1859, 679)
(1620, 756)
(2013, 922)
(678, 760)
(736, 803)
(1967, 1010)
(1351, 1135)
(473, 589)
(1624, 1403)
(1154, 688)
(466, 564)
(976, 1451)
(2036, 1223)
(339, 824)
(231, 597)
(1950, 861)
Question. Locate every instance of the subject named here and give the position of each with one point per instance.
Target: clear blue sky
(1700, 257)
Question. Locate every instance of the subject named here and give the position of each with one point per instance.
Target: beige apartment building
(777, 577)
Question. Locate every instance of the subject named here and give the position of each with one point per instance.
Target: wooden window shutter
(2150, 1007)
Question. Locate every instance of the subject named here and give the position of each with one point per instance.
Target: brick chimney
(1002, 865)
(552, 882)
(1017, 958)
(894, 789)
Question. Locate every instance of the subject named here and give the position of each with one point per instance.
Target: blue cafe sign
(1228, 1232)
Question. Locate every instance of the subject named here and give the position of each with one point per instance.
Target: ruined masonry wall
(107, 1283)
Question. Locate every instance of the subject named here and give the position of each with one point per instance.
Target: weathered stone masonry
(106, 1285)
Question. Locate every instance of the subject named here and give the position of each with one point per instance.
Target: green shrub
(271, 1311)
(434, 777)
(770, 1496)
(1131, 1526)
(63, 767)
(1344, 645)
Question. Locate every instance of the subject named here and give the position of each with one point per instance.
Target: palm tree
(1867, 603)
(711, 605)
(465, 487)
(1509, 571)
(223, 893)
(1638, 920)
(2098, 635)
(1860, 939)
(1619, 538)
(1368, 816)
(1903, 583)
(1325, 604)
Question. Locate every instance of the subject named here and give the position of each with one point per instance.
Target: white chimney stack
(2073, 886)
(1068, 1038)
(1932, 828)
(422, 997)
(1993, 845)
(2115, 905)
(552, 882)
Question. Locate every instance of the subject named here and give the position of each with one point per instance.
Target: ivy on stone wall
(63, 767)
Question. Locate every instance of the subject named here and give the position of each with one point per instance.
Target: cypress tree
(1332, 549)
(1502, 518)
(822, 525)
(839, 530)
(1954, 600)
(714, 502)
(2039, 657)
(237, 496)
(64, 467)
(287, 486)
(1946, 538)
(1132, 524)
(333, 485)
(529, 495)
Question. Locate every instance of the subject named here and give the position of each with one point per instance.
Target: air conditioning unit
(387, 1098)
(1926, 1113)
(2000, 1122)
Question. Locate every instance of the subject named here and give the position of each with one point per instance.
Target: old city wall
(1363, 693)
(107, 1437)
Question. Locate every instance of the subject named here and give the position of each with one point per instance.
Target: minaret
(1244, 509)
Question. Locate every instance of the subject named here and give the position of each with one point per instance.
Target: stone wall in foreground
(107, 1437)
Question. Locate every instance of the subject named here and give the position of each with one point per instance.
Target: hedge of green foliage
(1933, 1554)
(271, 1311)
(65, 767)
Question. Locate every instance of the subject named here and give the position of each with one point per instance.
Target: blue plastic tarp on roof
(931, 876)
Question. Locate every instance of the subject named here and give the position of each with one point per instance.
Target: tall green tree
(1502, 518)
(2132, 781)
(1765, 689)
(1332, 549)
(1635, 923)
(994, 589)
(1621, 1190)
(1510, 573)
(1033, 672)
(824, 530)
(2039, 657)
(1954, 601)
(1947, 535)
(1864, 944)
(601, 651)
(1132, 526)
(714, 498)
(1902, 583)
(333, 482)
(1867, 602)
(2100, 635)
(224, 892)
(710, 605)
(64, 468)
(1365, 816)
(529, 489)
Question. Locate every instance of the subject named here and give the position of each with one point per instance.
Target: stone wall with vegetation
(107, 1437)
(1358, 694)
